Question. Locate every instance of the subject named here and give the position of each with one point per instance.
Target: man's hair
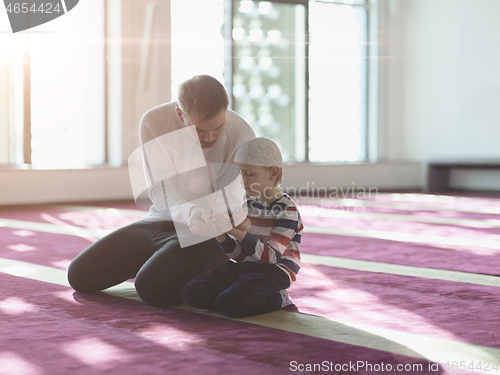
(203, 97)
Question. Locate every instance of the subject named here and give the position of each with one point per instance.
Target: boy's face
(257, 180)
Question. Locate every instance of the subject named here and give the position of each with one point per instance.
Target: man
(188, 148)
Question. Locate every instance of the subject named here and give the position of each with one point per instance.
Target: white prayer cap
(261, 151)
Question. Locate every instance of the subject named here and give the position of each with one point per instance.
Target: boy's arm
(287, 227)
(231, 247)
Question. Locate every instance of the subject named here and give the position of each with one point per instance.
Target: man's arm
(173, 160)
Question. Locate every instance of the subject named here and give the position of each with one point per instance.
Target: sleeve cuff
(181, 213)
(228, 245)
(249, 243)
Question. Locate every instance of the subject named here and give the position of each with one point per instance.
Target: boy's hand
(238, 234)
(222, 238)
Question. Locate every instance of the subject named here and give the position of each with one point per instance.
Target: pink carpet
(50, 329)
(60, 333)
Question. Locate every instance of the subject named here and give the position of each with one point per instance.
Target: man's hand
(238, 215)
(204, 223)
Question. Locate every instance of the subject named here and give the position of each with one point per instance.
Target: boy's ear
(275, 171)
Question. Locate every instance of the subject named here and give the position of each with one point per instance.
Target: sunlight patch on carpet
(96, 353)
(13, 363)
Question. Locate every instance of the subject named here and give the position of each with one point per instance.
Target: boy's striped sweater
(273, 238)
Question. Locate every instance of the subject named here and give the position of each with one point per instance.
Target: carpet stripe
(401, 205)
(407, 237)
(104, 211)
(33, 271)
(52, 228)
(359, 265)
(408, 202)
(307, 210)
(396, 269)
(433, 349)
(367, 233)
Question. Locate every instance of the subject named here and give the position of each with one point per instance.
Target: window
(296, 70)
(53, 97)
(299, 72)
(269, 71)
(338, 81)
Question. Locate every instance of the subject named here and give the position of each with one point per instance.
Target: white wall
(450, 82)
(18, 186)
(381, 176)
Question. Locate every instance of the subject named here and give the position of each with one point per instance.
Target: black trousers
(149, 252)
(238, 289)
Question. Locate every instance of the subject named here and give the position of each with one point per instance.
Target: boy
(265, 250)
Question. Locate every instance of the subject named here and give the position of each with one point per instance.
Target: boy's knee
(193, 296)
(228, 306)
(187, 294)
